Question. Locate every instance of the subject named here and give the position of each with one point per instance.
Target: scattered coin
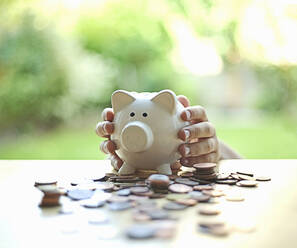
(139, 190)
(199, 197)
(186, 181)
(245, 173)
(187, 202)
(119, 206)
(92, 203)
(141, 231)
(209, 211)
(123, 192)
(227, 181)
(247, 183)
(223, 176)
(116, 198)
(180, 188)
(263, 178)
(158, 214)
(203, 187)
(80, 194)
(213, 193)
(174, 206)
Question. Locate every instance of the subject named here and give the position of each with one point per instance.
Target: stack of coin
(159, 183)
(50, 198)
(205, 171)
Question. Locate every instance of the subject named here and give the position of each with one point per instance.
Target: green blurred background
(60, 60)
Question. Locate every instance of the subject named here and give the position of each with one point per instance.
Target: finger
(104, 128)
(183, 100)
(203, 146)
(195, 113)
(206, 158)
(107, 146)
(176, 165)
(198, 130)
(116, 162)
(107, 114)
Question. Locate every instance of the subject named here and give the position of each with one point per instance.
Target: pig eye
(144, 114)
(132, 114)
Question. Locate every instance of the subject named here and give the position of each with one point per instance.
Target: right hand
(105, 129)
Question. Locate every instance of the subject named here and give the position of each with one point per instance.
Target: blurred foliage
(32, 76)
(279, 88)
(135, 41)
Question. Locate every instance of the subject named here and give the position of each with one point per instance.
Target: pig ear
(120, 99)
(166, 99)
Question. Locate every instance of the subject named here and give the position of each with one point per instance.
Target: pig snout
(136, 136)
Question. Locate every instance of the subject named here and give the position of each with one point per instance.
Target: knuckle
(209, 144)
(210, 129)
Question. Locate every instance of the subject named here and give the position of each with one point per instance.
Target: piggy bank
(146, 128)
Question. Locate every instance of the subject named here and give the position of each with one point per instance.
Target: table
(272, 206)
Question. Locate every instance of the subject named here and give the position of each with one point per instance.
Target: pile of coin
(206, 171)
(140, 194)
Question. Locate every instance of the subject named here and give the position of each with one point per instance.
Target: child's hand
(202, 143)
(106, 128)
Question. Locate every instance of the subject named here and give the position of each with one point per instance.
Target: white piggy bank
(146, 128)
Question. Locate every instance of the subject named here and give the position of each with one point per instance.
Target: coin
(80, 194)
(213, 193)
(139, 190)
(116, 198)
(92, 204)
(207, 176)
(199, 197)
(186, 181)
(247, 183)
(228, 181)
(205, 166)
(245, 173)
(158, 181)
(119, 206)
(186, 174)
(180, 188)
(123, 192)
(223, 176)
(263, 178)
(141, 232)
(187, 202)
(140, 217)
(45, 181)
(245, 177)
(174, 206)
(158, 214)
(158, 195)
(234, 197)
(203, 187)
(209, 211)
(174, 197)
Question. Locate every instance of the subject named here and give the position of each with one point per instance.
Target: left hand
(202, 144)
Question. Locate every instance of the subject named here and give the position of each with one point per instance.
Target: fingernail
(187, 150)
(105, 147)
(104, 128)
(188, 114)
(187, 134)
